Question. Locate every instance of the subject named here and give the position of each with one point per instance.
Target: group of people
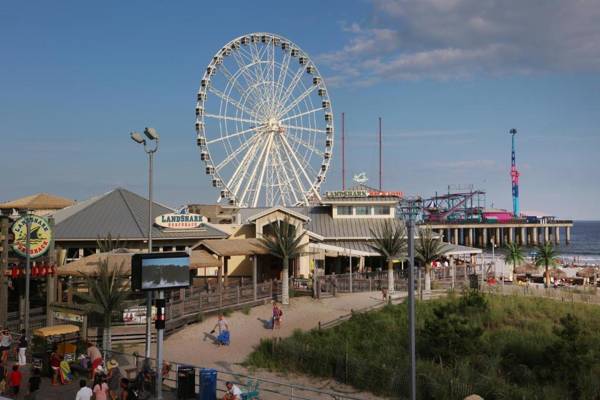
(10, 381)
(107, 383)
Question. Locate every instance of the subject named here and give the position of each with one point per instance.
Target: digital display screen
(156, 271)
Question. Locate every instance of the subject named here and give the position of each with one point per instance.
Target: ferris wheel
(264, 123)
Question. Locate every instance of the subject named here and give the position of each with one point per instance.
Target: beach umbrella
(587, 272)
(525, 269)
(558, 273)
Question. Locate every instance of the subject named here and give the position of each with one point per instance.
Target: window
(382, 210)
(344, 210)
(362, 210)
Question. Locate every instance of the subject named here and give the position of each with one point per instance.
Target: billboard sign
(156, 271)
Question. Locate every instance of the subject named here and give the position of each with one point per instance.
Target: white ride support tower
(264, 123)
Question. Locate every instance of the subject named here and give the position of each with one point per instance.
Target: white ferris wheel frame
(275, 147)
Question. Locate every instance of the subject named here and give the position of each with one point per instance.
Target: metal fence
(131, 365)
(573, 295)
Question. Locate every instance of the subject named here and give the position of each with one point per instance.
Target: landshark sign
(40, 236)
(180, 220)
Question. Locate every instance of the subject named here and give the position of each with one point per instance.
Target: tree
(548, 257)
(514, 256)
(390, 241)
(429, 248)
(284, 243)
(108, 243)
(107, 291)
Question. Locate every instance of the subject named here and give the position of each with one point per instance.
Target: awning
(458, 250)
(233, 247)
(122, 260)
(56, 330)
(340, 251)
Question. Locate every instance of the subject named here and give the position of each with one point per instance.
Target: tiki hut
(587, 272)
(557, 273)
(527, 269)
(121, 258)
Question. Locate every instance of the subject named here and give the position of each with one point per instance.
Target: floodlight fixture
(151, 133)
(137, 137)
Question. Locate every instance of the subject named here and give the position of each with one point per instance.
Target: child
(14, 380)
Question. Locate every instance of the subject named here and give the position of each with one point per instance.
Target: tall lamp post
(410, 209)
(152, 136)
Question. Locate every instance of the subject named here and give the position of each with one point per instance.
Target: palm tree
(108, 243)
(546, 256)
(514, 256)
(390, 241)
(284, 243)
(107, 291)
(428, 249)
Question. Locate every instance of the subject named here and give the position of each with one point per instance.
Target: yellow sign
(40, 236)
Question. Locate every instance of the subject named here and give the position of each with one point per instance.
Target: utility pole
(152, 135)
(5, 222)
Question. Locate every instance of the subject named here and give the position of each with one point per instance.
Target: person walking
(35, 380)
(14, 380)
(84, 393)
(114, 378)
(95, 357)
(277, 316)
(22, 352)
(5, 343)
(100, 388)
(223, 338)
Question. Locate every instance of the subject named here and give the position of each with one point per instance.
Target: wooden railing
(190, 305)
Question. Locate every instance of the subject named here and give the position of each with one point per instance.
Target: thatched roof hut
(122, 259)
(587, 272)
(558, 273)
(527, 268)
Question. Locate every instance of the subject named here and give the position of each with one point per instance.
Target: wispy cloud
(449, 39)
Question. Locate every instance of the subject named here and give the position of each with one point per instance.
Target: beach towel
(223, 338)
(65, 372)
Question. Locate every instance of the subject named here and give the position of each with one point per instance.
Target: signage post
(30, 230)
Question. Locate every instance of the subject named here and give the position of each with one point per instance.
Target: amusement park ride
(264, 123)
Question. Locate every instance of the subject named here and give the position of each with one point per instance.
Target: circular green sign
(40, 236)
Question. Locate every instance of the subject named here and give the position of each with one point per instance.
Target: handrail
(291, 390)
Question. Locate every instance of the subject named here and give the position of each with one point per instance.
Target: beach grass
(500, 347)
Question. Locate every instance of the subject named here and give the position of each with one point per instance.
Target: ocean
(584, 248)
(585, 243)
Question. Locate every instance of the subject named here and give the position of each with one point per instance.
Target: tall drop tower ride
(515, 177)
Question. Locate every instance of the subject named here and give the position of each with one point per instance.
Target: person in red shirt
(14, 380)
(55, 365)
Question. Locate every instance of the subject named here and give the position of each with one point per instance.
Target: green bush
(246, 310)
(499, 347)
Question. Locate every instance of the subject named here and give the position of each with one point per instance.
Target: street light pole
(27, 272)
(152, 135)
(410, 209)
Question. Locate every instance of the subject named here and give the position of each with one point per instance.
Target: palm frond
(547, 255)
(283, 242)
(428, 247)
(514, 255)
(389, 240)
(106, 291)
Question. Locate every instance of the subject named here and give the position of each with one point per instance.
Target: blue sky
(448, 77)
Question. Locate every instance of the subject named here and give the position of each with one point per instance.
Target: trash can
(208, 384)
(474, 281)
(186, 381)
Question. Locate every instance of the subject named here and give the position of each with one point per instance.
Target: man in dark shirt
(23, 348)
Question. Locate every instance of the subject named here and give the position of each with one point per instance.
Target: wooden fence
(189, 305)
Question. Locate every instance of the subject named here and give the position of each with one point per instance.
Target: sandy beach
(194, 344)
